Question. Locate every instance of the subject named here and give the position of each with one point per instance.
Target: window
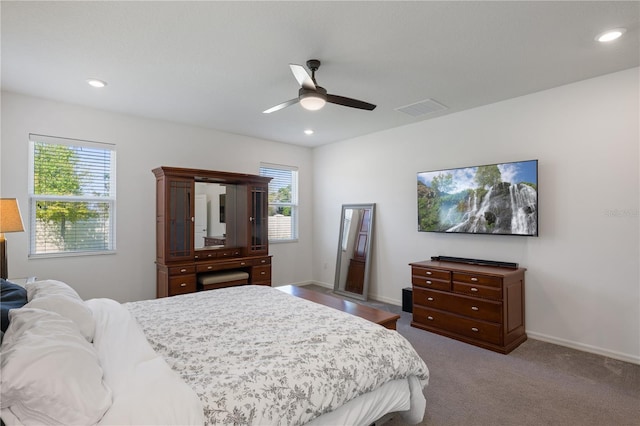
(72, 191)
(283, 201)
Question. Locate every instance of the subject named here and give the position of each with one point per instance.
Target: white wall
(583, 275)
(582, 280)
(142, 145)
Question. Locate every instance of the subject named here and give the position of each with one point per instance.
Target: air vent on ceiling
(428, 106)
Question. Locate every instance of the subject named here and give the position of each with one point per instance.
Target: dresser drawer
(431, 273)
(218, 265)
(216, 254)
(431, 283)
(205, 254)
(260, 273)
(478, 290)
(475, 329)
(182, 284)
(485, 310)
(261, 261)
(232, 252)
(485, 280)
(181, 270)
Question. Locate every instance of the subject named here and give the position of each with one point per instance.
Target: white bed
(243, 355)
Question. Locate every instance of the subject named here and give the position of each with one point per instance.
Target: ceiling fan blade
(349, 102)
(280, 106)
(303, 77)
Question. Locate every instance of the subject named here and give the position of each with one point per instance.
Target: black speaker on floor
(407, 299)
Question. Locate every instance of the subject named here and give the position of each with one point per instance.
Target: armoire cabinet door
(258, 220)
(180, 217)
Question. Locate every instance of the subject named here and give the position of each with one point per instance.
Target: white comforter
(255, 355)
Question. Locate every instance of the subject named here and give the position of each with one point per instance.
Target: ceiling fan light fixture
(312, 101)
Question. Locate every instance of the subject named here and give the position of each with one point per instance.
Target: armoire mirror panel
(215, 211)
(353, 262)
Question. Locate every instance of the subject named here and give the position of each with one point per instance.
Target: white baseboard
(585, 348)
(388, 300)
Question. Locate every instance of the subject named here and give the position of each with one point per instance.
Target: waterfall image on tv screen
(491, 199)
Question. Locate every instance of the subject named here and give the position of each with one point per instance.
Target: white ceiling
(220, 64)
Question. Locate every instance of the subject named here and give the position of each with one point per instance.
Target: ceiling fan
(313, 97)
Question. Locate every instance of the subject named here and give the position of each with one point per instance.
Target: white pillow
(146, 391)
(49, 373)
(58, 297)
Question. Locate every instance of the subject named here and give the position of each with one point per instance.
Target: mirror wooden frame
(355, 245)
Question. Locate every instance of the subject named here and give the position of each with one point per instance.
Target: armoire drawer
(216, 254)
(475, 329)
(261, 273)
(261, 261)
(182, 270)
(485, 310)
(182, 284)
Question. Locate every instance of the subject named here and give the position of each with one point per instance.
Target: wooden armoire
(240, 255)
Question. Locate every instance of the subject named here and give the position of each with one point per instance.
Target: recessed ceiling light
(94, 82)
(308, 132)
(610, 35)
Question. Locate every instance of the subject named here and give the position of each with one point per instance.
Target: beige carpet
(537, 384)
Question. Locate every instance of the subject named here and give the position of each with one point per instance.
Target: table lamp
(10, 221)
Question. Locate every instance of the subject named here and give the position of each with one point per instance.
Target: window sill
(295, 240)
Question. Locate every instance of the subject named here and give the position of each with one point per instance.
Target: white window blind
(283, 201)
(72, 190)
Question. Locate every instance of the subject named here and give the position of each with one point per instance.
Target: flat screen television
(497, 199)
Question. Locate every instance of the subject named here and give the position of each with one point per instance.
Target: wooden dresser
(480, 305)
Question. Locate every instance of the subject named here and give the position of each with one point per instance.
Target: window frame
(109, 199)
(294, 204)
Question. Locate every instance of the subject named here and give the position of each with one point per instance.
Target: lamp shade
(10, 219)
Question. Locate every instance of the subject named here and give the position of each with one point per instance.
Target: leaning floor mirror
(354, 250)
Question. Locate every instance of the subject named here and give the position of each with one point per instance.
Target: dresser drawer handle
(209, 255)
(209, 267)
(263, 273)
(475, 308)
(183, 285)
(183, 270)
(263, 261)
(474, 289)
(474, 329)
(474, 279)
(243, 263)
(430, 299)
(430, 318)
(429, 282)
(428, 272)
